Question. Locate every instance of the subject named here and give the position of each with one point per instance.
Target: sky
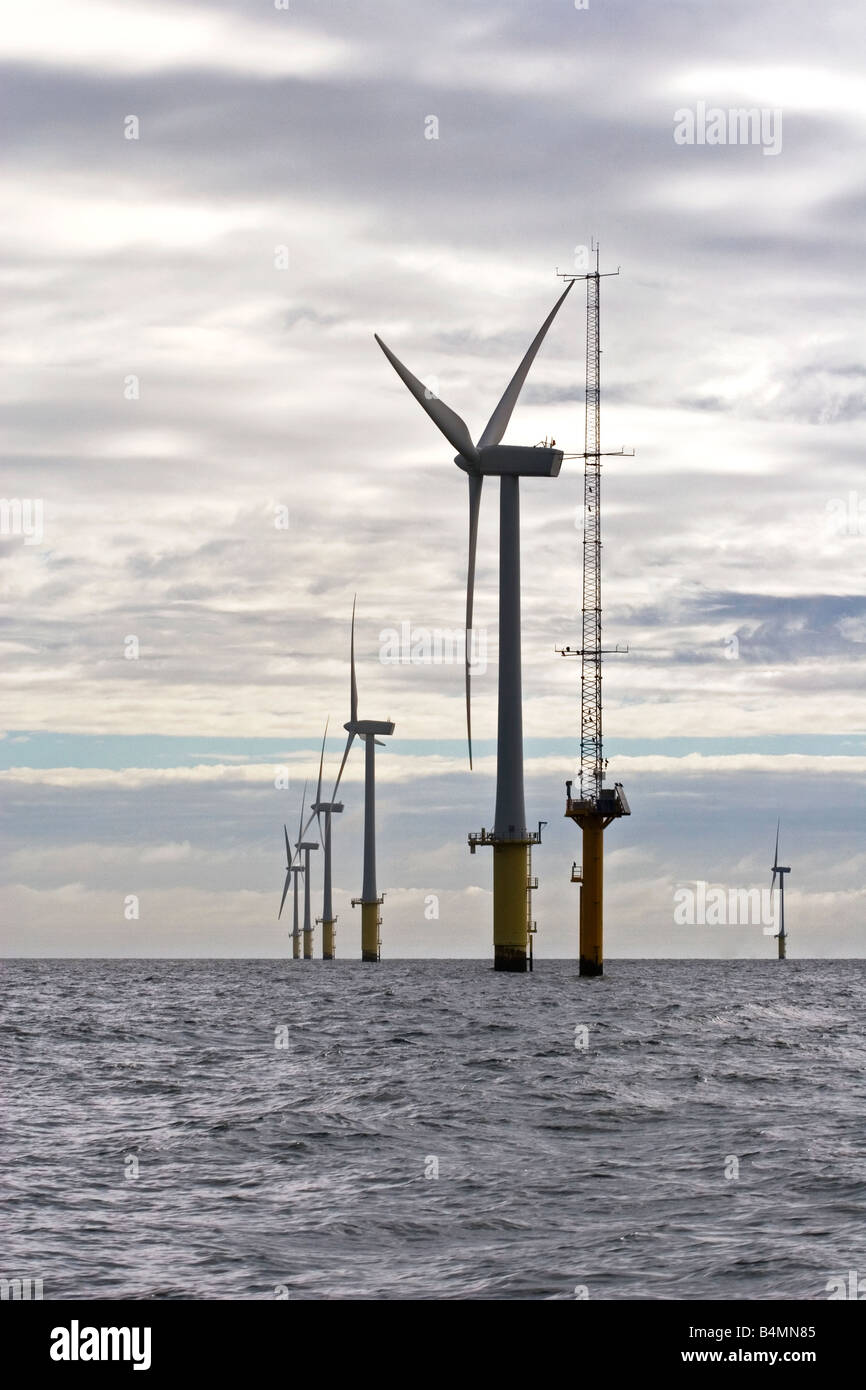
(207, 213)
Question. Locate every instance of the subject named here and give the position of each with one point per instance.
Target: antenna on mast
(595, 806)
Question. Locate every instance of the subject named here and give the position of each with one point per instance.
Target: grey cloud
(262, 387)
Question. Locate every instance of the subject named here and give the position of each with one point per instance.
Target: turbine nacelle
(513, 460)
(322, 808)
(369, 728)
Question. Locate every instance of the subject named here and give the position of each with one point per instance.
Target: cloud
(732, 364)
(167, 854)
(98, 35)
(393, 769)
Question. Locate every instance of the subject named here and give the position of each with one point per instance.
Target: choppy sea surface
(251, 1129)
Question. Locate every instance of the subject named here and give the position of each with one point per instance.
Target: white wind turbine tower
(510, 838)
(779, 870)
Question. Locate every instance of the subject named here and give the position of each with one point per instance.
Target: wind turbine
(326, 809)
(510, 838)
(366, 729)
(780, 870)
(305, 847)
(292, 871)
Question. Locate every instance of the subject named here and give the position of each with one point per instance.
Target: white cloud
(167, 854)
(793, 88)
(394, 769)
(100, 35)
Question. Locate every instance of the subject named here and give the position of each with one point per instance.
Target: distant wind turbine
(780, 870)
(292, 872)
(365, 729)
(304, 846)
(327, 809)
(510, 838)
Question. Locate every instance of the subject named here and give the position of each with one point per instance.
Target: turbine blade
(498, 422)
(776, 855)
(301, 821)
(288, 851)
(349, 741)
(475, 483)
(353, 688)
(285, 891)
(322, 762)
(447, 420)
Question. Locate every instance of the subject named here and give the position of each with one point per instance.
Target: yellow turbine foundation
(328, 940)
(370, 923)
(510, 925)
(308, 945)
(296, 947)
